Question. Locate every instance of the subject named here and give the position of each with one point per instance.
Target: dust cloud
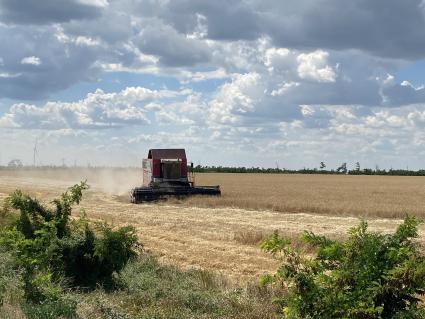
(113, 181)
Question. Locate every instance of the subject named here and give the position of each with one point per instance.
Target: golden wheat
(366, 196)
(221, 234)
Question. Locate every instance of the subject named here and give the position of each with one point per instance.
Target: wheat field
(221, 234)
(366, 196)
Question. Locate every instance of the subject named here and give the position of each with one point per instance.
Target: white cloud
(96, 3)
(198, 76)
(236, 98)
(82, 40)
(278, 59)
(134, 94)
(313, 66)
(6, 75)
(388, 80)
(97, 110)
(284, 88)
(417, 118)
(31, 60)
(172, 48)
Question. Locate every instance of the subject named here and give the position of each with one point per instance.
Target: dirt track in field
(208, 238)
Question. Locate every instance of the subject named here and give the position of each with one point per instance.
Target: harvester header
(165, 173)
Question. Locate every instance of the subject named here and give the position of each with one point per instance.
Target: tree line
(322, 169)
(342, 169)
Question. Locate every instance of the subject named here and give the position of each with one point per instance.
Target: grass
(10, 288)
(252, 237)
(152, 290)
(148, 290)
(5, 217)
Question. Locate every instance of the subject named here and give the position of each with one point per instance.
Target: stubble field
(221, 234)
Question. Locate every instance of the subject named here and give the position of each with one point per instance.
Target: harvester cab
(165, 173)
(165, 167)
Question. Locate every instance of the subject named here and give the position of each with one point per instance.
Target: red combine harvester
(165, 174)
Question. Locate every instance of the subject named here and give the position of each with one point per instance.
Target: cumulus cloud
(190, 111)
(32, 60)
(97, 110)
(339, 25)
(172, 48)
(284, 88)
(58, 65)
(114, 26)
(222, 20)
(278, 59)
(315, 117)
(236, 98)
(48, 11)
(175, 37)
(296, 76)
(96, 3)
(199, 76)
(302, 24)
(247, 100)
(313, 66)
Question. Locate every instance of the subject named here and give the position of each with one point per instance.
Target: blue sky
(414, 73)
(244, 82)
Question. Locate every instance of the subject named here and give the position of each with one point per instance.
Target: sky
(238, 83)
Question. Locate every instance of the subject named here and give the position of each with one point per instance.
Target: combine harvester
(165, 173)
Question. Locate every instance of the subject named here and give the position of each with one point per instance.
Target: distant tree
(342, 168)
(15, 163)
(357, 166)
(322, 165)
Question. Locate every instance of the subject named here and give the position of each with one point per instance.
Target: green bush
(52, 251)
(371, 275)
(89, 259)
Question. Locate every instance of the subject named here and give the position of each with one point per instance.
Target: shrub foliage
(370, 275)
(53, 251)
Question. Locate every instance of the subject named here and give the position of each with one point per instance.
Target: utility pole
(35, 152)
